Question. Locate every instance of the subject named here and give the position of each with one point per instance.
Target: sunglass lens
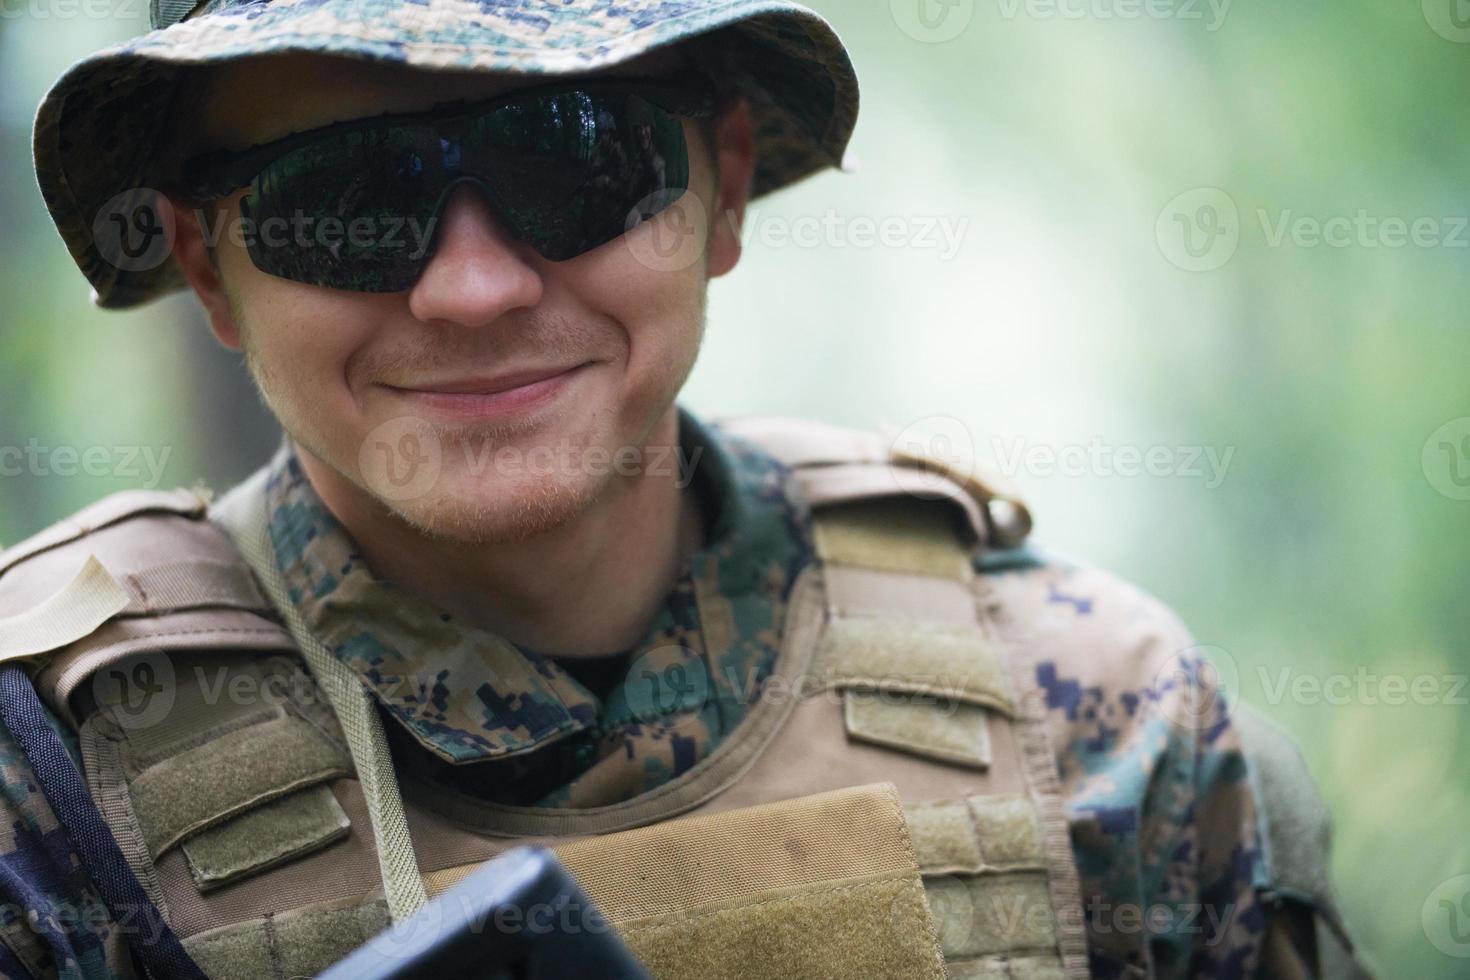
(349, 212)
(582, 170)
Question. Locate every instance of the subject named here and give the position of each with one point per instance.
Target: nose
(478, 271)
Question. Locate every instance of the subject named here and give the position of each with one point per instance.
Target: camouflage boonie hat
(97, 129)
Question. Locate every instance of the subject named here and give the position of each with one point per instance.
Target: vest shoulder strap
(135, 572)
(835, 465)
(109, 510)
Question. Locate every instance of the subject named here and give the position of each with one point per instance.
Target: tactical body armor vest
(889, 808)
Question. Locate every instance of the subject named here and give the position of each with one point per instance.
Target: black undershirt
(599, 674)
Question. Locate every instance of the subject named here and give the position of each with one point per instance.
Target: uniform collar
(468, 695)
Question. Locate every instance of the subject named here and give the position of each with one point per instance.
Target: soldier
(788, 701)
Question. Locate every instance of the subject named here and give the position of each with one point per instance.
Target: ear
(200, 269)
(735, 152)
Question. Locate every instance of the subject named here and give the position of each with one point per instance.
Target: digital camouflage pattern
(98, 129)
(1164, 823)
(1164, 820)
(468, 696)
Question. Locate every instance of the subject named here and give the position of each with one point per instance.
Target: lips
(481, 397)
(492, 385)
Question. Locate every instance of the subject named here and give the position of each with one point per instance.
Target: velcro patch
(820, 886)
(229, 774)
(898, 534)
(947, 731)
(917, 656)
(268, 835)
(877, 927)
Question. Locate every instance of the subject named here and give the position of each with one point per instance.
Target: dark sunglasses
(566, 168)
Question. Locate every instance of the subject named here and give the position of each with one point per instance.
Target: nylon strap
(20, 708)
(84, 604)
(242, 515)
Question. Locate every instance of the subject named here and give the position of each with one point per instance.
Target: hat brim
(97, 129)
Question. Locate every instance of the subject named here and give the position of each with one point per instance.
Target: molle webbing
(916, 656)
(233, 770)
(920, 671)
(822, 886)
(985, 875)
(959, 733)
(300, 943)
(902, 642)
(892, 534)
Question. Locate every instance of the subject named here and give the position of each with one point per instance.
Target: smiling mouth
(485, 396)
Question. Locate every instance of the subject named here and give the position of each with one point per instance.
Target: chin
(467, 511)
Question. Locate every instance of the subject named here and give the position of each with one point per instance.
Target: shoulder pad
(135, 572)
(836, 465)
(108, 510)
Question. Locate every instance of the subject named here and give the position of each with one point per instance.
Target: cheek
(299, 339)
(659, 304)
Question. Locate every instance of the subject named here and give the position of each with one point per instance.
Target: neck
(590, 586)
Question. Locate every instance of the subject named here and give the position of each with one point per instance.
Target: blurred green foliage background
(1056, 134)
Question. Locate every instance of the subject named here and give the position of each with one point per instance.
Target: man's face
(492, 399)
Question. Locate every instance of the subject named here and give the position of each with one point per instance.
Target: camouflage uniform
(1166, 826)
